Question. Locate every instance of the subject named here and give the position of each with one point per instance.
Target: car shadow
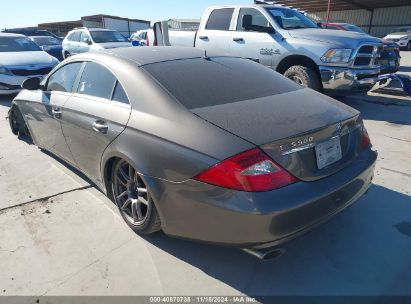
(362, 251)
(392, 114)
(71, 168)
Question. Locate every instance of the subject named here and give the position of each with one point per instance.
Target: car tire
(304, 76)
(134, 199)
(408, 47)
(17, 124)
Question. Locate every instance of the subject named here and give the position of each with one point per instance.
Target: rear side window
(220, 19)
(199, 83)
(119, 94)
(84, 37)
(96, 81)
(63, 79)
(74, 36)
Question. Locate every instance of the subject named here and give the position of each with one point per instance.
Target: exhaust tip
(265, 254)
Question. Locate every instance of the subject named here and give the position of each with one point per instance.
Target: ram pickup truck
(333, 62)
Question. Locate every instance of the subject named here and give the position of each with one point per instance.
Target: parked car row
(276, 36)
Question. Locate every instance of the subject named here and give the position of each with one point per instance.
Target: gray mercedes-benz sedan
(216, 149)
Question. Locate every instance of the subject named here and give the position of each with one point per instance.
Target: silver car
(82, 40)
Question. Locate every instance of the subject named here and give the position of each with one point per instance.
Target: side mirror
(32, 84)
(88, 41)
(270, 30)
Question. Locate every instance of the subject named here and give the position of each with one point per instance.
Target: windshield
(107, 36)
(290, 19)
(17, 44)
(353, 28)
(45, 40)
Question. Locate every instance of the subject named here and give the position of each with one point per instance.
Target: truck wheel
(304, 76)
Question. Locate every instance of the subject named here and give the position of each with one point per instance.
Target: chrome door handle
(100, 126)
(238, 39)
(56, 112)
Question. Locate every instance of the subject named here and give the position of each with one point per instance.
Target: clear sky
(21, 13)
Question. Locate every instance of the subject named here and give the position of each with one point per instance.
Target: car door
(47, 105)
(73, 43)
(249, 39)
(84, 42)
(94, 116)
(215, 36)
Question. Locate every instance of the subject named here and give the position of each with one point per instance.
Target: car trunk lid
(290, 127)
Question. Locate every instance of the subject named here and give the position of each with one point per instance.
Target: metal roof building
(378, 17)
(125, 26)
(60, 28)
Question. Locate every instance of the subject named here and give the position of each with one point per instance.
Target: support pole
(329, 11)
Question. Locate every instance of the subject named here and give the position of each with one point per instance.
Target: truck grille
(368, 56)
(22, 72)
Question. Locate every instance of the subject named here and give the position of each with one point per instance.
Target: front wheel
(133, 199)
(17, 124)
(304, 76)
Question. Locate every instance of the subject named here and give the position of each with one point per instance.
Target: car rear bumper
(194, 210)
(343, 81)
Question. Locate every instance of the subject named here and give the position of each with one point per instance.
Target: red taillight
(365, 139)
(251, 171)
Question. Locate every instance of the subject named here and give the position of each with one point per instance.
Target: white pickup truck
(334, 62)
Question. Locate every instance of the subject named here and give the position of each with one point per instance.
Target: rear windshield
(45, 40)
(199, 83)
(17, 44)
(107, 36)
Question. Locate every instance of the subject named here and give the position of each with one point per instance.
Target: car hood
(265, 120)
(113, 45)
(344, 38)
(37, 58)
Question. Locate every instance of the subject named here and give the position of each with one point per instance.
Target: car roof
(11, 35)
(148, 55)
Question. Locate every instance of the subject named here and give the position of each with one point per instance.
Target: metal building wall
(384, 20)
(389, 20)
